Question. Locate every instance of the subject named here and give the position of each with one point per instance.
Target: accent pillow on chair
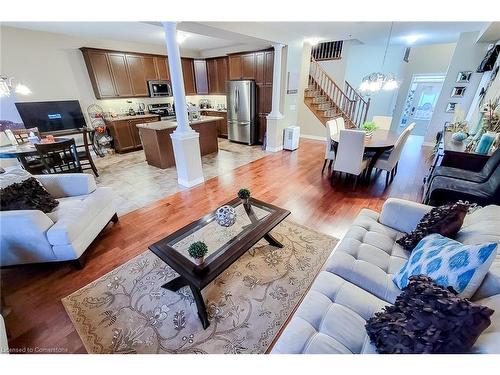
(449, 263)
(27, 195)
(428, 318)
(445, 220)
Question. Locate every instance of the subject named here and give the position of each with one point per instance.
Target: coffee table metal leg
(272, 241)
(175, 284)
(200, 305)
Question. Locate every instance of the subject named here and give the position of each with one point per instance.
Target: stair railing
(350, 104)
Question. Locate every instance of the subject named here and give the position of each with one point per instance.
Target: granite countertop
(162, 125)
(126, 117)
(213, 110)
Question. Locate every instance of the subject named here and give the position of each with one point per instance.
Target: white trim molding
(313, 137)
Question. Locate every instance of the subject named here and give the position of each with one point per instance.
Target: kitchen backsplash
(121, 106)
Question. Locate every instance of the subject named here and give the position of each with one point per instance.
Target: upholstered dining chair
(331, 129)
(350, 157)
(389, 160)
(59, 157)
(382, 122)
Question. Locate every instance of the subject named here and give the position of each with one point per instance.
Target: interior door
(420, 104)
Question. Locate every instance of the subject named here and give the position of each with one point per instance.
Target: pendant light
(377, 81)
(7, 86)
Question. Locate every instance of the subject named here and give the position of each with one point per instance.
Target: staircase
(327, 100)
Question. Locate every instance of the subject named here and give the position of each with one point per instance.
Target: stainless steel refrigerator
(241, 111)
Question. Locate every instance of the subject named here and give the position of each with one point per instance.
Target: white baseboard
(191, 183)
(274, 149)
(314, 137)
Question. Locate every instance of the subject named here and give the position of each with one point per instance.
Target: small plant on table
(197, 250)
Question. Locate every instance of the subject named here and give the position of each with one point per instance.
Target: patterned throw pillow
(446, 220)
(449, 263)
(27, 195)
(427, 318)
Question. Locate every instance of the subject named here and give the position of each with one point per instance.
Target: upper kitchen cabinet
(121, 76)
(248, 66)
(137, 71)
(99, 69)
(268, 67)
(217, 73)
(201, 77)
(235, 67)
(161, 64)
(188, 75)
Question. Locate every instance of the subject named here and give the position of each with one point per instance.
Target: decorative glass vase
(485, 142)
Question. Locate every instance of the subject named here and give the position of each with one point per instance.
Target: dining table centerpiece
(369, 127)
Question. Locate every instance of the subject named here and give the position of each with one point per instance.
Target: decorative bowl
(225, 216)
(459, 136)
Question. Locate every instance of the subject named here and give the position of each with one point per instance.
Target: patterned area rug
(127, 311)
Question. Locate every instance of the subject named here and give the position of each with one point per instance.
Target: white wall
(365, 59)
(466, 57)
(427, 59)
(52, 66)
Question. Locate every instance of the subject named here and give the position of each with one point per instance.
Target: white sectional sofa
(31, 236)
(4, 345)
(357, 281)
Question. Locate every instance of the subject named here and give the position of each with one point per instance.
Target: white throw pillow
(12, 176)
(449, 263)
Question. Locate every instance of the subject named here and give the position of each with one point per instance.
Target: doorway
(420, 101)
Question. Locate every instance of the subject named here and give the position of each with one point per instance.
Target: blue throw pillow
(449, 263)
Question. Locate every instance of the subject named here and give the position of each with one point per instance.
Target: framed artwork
(450, 108)
(464, 77)
(458, 92)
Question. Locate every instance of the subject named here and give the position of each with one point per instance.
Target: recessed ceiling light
(312, 41)
(410, 39)
(181, 37)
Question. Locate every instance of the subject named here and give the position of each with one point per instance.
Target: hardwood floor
(292, 180)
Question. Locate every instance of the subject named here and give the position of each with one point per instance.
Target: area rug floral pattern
(127, 311)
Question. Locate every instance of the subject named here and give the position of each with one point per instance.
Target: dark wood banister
(349, 102)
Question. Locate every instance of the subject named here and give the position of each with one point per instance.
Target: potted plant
(244, 195)
(197, 250)
(369, 127)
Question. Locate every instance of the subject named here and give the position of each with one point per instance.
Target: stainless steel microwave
(159, 88)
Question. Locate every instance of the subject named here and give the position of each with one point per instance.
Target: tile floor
(137, 184)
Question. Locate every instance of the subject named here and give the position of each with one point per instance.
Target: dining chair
(340, 123)
(382, 122)
(83, 151)
(33, 164)
(389, 160)
(59, 157)
(331, 129)
(350, 157)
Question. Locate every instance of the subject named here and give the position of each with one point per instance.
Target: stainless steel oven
(159, 88)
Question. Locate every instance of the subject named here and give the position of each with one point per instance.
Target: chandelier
(8, 85)
(377, 81)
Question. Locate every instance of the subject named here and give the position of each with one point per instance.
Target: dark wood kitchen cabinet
(100, 74)
(235, 67)
(201, 77)
(121, 76)
(217, 73)
(125, 132)
(161, 65)
(221, 124)
(248, 66)
(137, 71)
(188, 75)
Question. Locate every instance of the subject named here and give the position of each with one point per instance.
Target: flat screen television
(52, 117)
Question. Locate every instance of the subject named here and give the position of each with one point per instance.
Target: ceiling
(139, 32)
(206, 36)
(378, 32)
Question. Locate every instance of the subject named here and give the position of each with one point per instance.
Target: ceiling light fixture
(312, 41)
(181, 37)
(7, 86)
(410, 39)
(377, 81)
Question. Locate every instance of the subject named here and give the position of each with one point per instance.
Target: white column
(275, 111)
(274, 128)
(185, 141)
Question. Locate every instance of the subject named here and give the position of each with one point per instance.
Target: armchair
(31, 236)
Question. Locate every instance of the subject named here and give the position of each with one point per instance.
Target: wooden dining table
(378, 143)
(22, 151)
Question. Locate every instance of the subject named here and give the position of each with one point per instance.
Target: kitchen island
(157, 144)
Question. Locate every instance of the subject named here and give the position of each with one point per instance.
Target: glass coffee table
(254, 221)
